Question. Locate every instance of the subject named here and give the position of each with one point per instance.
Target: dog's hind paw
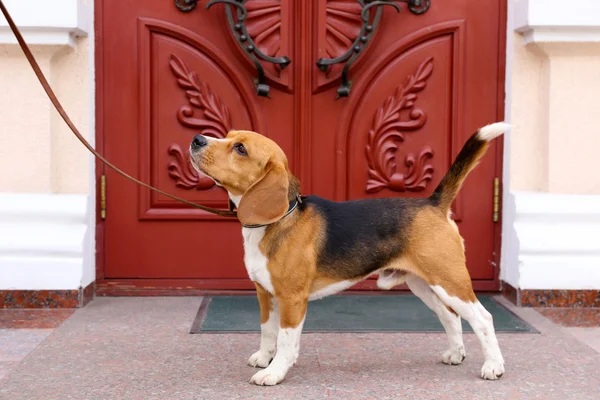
(492, 370)
(454, 356)
(267, 377)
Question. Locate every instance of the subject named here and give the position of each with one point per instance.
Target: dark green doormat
(346, 313)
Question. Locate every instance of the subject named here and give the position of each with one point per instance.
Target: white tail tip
(492, 131)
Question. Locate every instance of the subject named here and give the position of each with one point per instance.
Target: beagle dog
(301, 248)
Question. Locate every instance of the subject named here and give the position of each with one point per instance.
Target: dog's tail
(468, 158)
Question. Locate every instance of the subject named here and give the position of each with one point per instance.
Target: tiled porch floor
(139, 348)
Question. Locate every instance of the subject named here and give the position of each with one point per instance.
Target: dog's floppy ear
(267, 200)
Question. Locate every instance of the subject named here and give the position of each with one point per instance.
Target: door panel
(168, 76)
(420, 87)
(178, 96)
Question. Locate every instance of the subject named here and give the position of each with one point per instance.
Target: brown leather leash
(65, 117)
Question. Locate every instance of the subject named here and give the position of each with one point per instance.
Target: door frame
(194, 287)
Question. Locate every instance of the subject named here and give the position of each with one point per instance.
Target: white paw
(454, 356)
(267, 377)
(492, 370)
(260, 359)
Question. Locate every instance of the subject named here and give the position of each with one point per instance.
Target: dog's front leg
(269, 327)
(292, 311)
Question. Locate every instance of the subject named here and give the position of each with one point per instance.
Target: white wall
(47, 195)
(551, 222)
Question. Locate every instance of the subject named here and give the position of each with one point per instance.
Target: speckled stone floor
(18, 318)
(140, 348)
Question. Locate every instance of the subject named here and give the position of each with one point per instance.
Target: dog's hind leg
(436, 254)
(483, 325)
(450, 320)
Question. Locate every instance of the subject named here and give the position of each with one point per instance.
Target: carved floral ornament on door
(215, 121)
(388, 127)
(386, 132)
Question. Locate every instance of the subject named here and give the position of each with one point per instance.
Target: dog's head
(250, 165)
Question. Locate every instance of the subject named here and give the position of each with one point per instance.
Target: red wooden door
(420, 86)
(167, 75)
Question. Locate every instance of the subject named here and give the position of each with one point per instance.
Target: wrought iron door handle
(238, 27)
(366, 33)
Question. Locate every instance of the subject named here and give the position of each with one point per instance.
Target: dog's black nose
(199, 141)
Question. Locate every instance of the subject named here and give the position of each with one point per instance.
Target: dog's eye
(240, 149)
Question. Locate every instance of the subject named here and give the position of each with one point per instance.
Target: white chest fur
(255, 260)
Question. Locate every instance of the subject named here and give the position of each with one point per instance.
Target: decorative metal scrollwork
(185, 5)
(366, 33)
(240, 33)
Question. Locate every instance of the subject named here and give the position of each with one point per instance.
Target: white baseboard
(43, 241)
(556, 240)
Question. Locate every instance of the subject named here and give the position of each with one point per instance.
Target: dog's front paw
(492, 370)
(267, 377)
(260, 359)
(454, 356)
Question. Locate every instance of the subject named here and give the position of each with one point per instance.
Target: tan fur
(292, 252)
(450, 309)
(265, 300)
(238, 173)
(292, 248)
(436, 254)
(453, 182)
(266, 201)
